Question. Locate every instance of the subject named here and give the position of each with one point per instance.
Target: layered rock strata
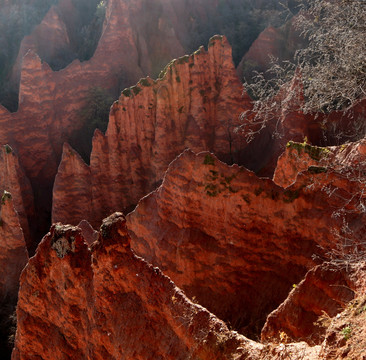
(272, 44)
(14, 181)
(308, 310)
(194, 104)
(216, 229)
(13, 249)
(348, 160)
(114, 305)
(49, 101)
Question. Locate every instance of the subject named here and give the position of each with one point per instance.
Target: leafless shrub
(332, 67)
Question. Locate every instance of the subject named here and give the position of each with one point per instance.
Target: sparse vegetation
(315, 152)
(347, 332)
(331, 68)
(8, 149)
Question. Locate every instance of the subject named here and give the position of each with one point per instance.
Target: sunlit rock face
(306, 313)
(272, 44)
(237, 243)
(13, 249)
(194, 104)
(14, 181)
(50, 101)
(104, 302)
(114, 305)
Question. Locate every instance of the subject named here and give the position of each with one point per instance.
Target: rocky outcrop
(308, 310)
(114, 305)
(14, 181)
(49, 40)
(77, 175)
(216, 229)
(194, 104)
(348, 160)
(271, 44)
(13, 250)
(49, 101)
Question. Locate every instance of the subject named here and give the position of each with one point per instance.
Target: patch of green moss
(315, 152)
(182, 60)
(145, 82)
(136, 89)
(165, 70)
(8, 149)
(191, 65)
(127, 92)
(230, 178)
(177, 79)
(209, 160)
(211, 190)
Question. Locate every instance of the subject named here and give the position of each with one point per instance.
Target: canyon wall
(115, 305)
(194, 104)
(13, 250)
(216, 229)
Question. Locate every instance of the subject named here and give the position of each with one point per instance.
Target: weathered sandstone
(114, 305)
(271, 44)
(306, 313)
(217, 229)
(348, 160)
(194, 104)
(13, 250)
(14, 181)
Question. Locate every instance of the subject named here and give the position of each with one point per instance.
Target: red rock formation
(347, 160)
(49, 101)
(324, 292)
(13, 250)
(88, 233)
(14, 181)
(76, 174)
(115, 305)
(49, 40)
(195, 104)
(216, 230)
(272, 43)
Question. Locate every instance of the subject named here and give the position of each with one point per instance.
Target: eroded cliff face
(13, 249)
(309, 308)
(194, 104)
(271, 44)
(49, 101)
(115, 305)
(14, 181)
(216, 229)
(348, 160)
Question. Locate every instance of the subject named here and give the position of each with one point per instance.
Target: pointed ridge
(69, 152)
